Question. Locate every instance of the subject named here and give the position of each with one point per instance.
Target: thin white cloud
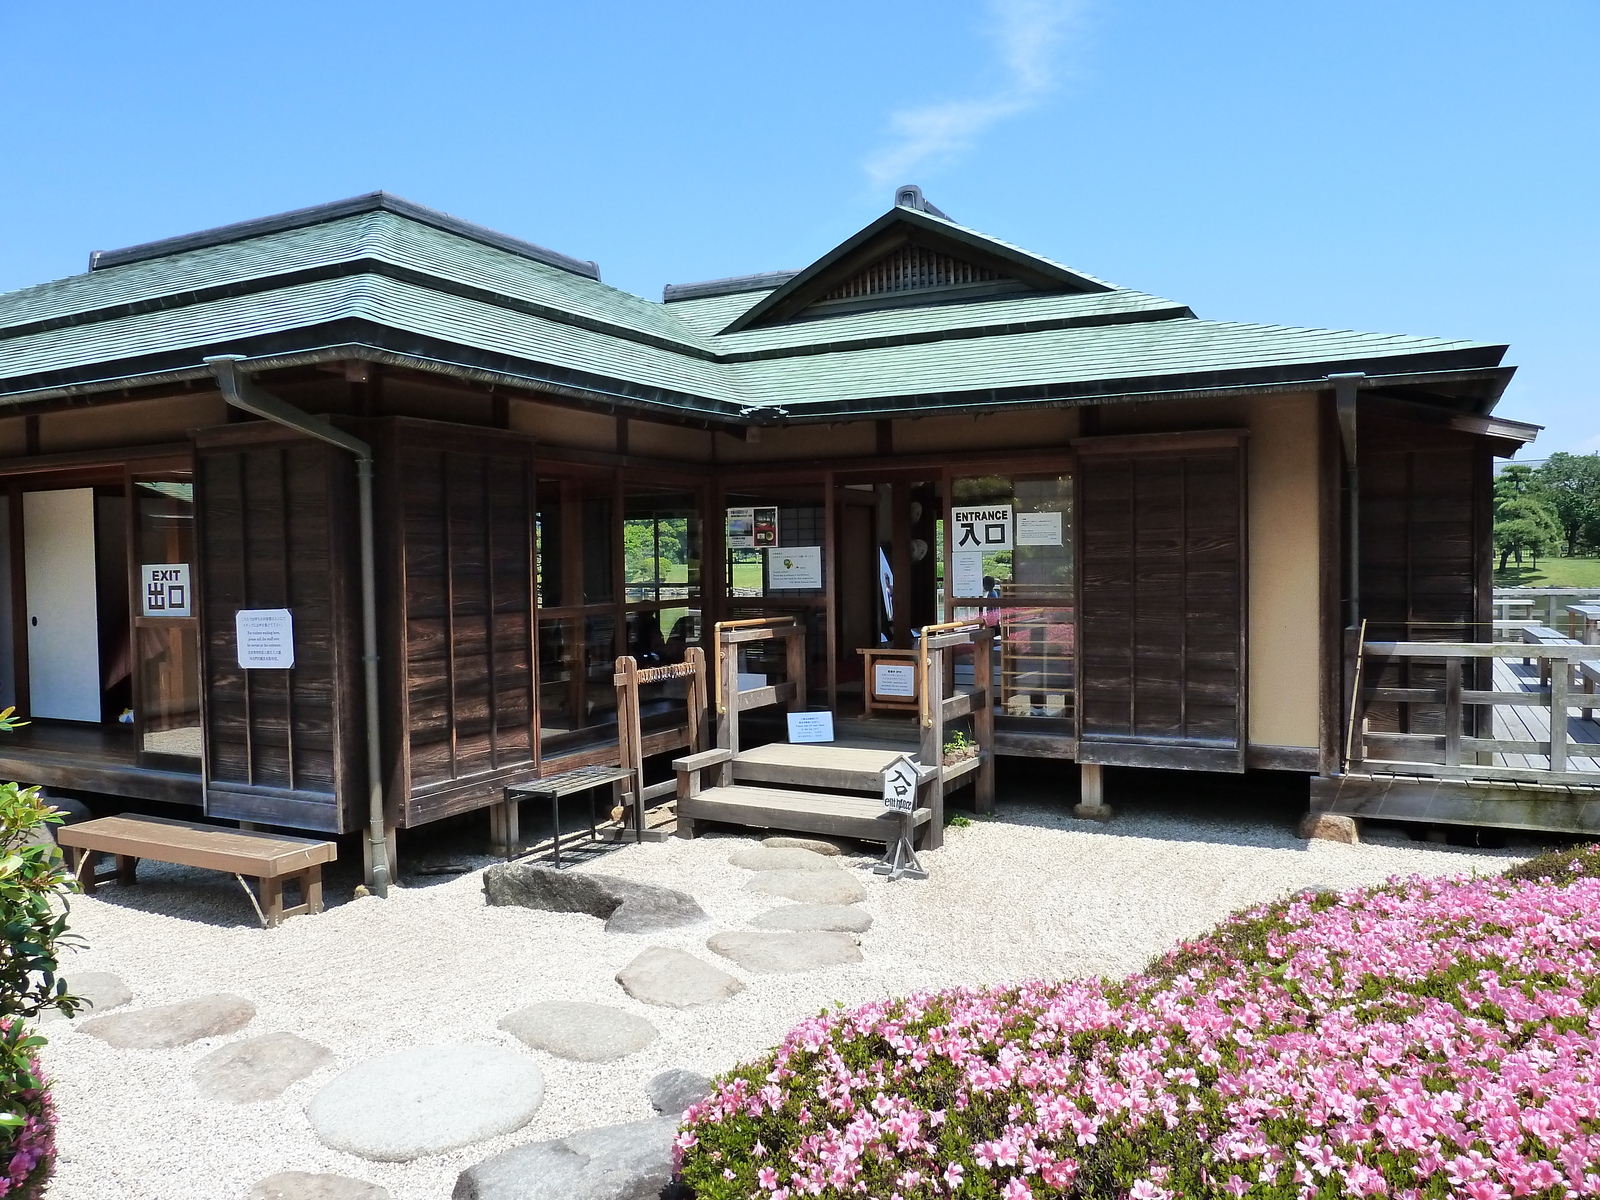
(1028, 34)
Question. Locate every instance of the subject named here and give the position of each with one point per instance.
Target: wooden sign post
(900, 795)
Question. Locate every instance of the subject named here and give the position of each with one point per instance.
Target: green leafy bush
(33, 886)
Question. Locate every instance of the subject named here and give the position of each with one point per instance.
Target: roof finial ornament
(909, 195)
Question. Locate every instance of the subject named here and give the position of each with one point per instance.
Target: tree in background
(1523, 520)
(1569, 485)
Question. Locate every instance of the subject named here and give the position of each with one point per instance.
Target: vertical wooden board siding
(268, 537)
(1162, 605)
(468, 527)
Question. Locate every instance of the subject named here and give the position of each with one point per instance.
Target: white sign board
(266, 638)
(966, 579)
(1039, 529)
(741, 533)
(798, 567)
(987, 528)
(811, 727)
(166, 590)
(894, 679)
(900, 785)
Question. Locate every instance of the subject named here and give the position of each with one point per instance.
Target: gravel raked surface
(1032, 893)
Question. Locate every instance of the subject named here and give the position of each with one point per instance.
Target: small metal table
(552, 788)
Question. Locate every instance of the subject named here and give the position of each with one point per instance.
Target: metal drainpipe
(1344, 395)
(239, 391)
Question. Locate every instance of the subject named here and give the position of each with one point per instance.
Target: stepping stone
(625, 906)
(809, 887)
(580, 1031)
(170, 1025)
(425, 1101)
(673, 1091)
(614, 1162)
(102, 990)
(835, 918)
(674, 979)
(302, 1185)
(782, 858)
(815, 845)
(787, 952)
(258, 1068)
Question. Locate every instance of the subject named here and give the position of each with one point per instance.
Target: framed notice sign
(265, 637)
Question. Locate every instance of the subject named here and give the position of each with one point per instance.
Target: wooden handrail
(924, 710)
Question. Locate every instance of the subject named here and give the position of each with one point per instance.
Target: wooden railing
(936, 706)
(1448, 727)
(631, 747)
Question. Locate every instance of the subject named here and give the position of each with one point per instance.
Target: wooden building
(927, 422)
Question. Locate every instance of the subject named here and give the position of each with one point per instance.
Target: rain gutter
(239, 391)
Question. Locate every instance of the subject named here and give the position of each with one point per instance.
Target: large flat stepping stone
(101, 990)
(426, 1100)
(781, 858)
(258, 1068)
(785, 953)
(303, 1185)
(834, 918)
(625, 906)
(809, 887)
(580, 1031)
(614, 1162)
(783, 841)
(674, 1090)
(674, 979)
(170, 1025)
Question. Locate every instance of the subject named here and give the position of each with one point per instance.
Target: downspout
(239, 391)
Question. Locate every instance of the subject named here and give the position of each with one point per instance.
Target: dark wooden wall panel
(1161, 615)
(274, 522)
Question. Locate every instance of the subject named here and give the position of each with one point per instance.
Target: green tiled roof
(369, 274)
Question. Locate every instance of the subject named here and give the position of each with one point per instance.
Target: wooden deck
(1532, 722)
(91, 758)
(862, 818)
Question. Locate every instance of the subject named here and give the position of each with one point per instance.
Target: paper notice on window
(166, 590)
(741, 533)
(795, 567)
(265, 637)
(894, 679)
(1038, 529)
(811, 727)
(987, 529)
(966, 575)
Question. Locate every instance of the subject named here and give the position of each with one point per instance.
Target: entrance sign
(894, 679)
(166, 589)
(266, 638)
(987, 528)
(811, 727)
(966, 578)
(796, 567)
(900, 785)
(1039, 529)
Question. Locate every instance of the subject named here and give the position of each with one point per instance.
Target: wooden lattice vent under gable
(912, 269)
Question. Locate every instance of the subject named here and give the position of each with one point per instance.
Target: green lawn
(1551, 572)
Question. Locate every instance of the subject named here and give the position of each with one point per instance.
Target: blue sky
(1398, 166)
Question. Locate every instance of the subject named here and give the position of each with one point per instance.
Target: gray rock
(674, 979)
(673, 1091)
(258, 1068)
(836, 918)
(815, 845)
(614, 1162)
(1329, 827)
(103, 991)
(425, 1101)
(302, 1185)
(809, 887)
(170, 1025)
(580, 1031)
(625, 906)
(784, 953)
(781, 858)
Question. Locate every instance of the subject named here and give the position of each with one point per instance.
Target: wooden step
(839, 768)
(798, 812)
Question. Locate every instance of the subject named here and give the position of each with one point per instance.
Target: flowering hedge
(1426, 1038)
(28, 1139)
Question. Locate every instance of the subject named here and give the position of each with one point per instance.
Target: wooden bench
(271, 859)
(1543, 635)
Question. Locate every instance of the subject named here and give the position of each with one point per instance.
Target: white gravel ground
(1031, 893)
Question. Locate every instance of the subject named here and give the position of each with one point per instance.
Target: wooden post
(727, 707)
(630, 736)
(1091, 793)
(983, 718)
(1452, 712)
(933, 739)
(695, 657)
(504, 831)
(795, 665)
(1560, 680)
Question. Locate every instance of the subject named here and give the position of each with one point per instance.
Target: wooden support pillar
(1092, 804)
(505, 834)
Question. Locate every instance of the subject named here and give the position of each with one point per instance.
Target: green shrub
(1561, 866)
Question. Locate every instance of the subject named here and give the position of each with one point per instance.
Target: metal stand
(900, 862)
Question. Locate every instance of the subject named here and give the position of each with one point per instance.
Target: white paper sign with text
(166, 590)
(1039, 529)
(266, 638)
(967, 577)
(894, 679)
(795, 567)
(811, 727)
(987, 528)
